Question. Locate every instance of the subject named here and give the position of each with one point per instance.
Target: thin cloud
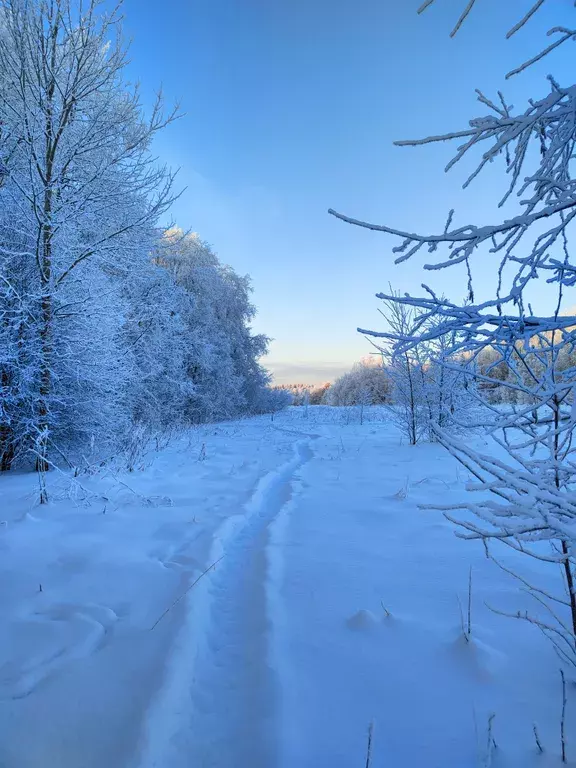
(306, 373)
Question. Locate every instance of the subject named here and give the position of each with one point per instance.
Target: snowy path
(353, 547)
(296, 654)
(283, 653)
(234, 667)
(230, 668)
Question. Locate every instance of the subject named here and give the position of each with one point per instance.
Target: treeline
(510, 370)
(367, 383)
(107, 322)
(494, 373)
(304, 394)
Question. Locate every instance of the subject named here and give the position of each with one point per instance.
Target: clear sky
(291, 108)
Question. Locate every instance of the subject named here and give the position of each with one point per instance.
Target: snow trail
(335, 605)
(221, 690)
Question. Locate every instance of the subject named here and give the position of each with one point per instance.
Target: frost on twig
(517, 366)
(563, 718)
(546, 193)
(537, 738)
(532, 10)
(369, 745)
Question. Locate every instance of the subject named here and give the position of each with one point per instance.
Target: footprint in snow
(45, 640)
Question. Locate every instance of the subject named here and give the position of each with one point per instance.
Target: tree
(404, 368)
(300, 394)
(367, 384)
(319, 393)
(83, 193)
(429, 384)
(223, 354)
(155, 342)
(532, 490)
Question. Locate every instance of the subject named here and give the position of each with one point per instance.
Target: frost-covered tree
(404, 369)
(494, 372)
(155, 342)
(429, 388)
(531, 507)
(367, 383)
(18, 349)
(319, 393)
(106, 325)
(445, 385)
(298, 393)
(81, 192)
(222, 352)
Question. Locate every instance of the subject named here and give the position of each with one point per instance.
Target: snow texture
(333, 602)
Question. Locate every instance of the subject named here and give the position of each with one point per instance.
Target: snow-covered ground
(332, 604)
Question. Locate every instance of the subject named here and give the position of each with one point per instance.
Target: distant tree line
(367, 383)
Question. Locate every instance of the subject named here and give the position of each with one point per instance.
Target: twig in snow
(386, 611)
(537, 738)
(491, 742)
(563, 717)
(402, 492)
(210, 567)
(462, 626)
(470, 602)
(466, 628)
(426, 479)
(494, 745)
(369, 747)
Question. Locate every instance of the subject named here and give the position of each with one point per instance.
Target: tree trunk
(45, 384)
(568, 575)
(44, 256)
(45, 334)
(6, 432)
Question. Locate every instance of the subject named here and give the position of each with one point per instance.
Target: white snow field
(114, 654)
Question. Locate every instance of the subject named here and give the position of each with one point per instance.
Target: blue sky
(291, 108)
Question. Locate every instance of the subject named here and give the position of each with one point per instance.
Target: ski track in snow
(222, 659)
(283, 653)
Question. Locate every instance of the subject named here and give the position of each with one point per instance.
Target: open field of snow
(332, 603)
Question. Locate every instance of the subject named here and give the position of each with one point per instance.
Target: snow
(333, 602)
